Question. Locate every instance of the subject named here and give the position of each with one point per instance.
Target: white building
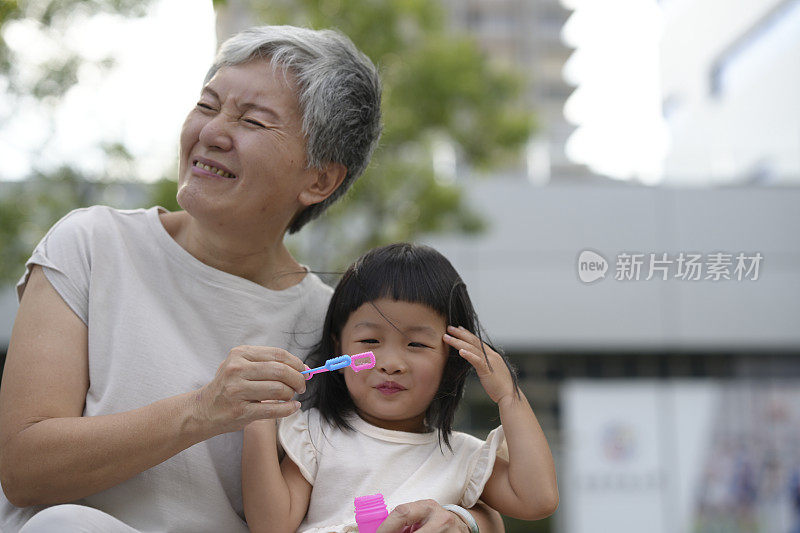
(730, 83)
(526, 35)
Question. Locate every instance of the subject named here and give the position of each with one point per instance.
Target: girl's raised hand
(496, 380)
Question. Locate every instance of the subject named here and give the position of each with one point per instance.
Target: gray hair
(339, 92)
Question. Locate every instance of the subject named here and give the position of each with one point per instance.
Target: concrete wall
(522, 273)
(523, 277)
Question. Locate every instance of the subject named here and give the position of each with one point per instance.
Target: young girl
(388, 429)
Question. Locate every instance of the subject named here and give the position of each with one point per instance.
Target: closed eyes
(418, 345)
(254, 122)
(410, 344)
(208, 107)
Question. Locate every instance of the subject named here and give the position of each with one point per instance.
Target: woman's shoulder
(310, 309)
(318, 291)
(89, 228)
(104, 212)
(73, 245)
(96, 219)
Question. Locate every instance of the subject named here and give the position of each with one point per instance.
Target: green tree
(30, 207)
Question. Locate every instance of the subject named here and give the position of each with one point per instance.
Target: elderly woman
(146, 340)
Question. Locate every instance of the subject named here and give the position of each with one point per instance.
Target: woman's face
(410, 356)
(243, 160)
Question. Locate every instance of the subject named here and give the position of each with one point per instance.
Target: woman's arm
(50, 454)
(524, 486)
(275, 495)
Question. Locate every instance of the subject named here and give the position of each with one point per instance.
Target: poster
(680, 456)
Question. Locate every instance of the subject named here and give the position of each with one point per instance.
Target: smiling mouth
(214, 170)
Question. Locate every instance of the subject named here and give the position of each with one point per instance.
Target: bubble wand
(343, 361)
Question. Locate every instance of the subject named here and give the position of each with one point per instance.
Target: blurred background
(617, 182)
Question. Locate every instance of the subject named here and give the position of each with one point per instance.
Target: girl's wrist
(261, 426)
(511, 400)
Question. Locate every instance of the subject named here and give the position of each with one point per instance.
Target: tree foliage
(57, 74)
(30, 207)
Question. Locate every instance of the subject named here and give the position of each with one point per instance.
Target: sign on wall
(681, 456)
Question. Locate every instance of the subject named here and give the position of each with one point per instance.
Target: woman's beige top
(160, 322)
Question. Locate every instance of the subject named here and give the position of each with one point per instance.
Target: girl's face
(409, 360)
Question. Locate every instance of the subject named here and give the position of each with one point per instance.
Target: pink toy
(370, 512)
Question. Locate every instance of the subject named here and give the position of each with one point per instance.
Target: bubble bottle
(370, 512)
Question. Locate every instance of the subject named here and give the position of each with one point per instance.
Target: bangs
(402, 272)
(409, 279)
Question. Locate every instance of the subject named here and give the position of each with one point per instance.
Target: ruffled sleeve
(297, 434)
(481, 464)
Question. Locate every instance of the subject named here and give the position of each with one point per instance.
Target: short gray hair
(339, 92)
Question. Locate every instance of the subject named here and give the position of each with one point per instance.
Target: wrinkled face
(410, 356)
(243, 155)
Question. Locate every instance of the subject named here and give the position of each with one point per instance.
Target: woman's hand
(423, 516)
(253, 383)
(496, 380)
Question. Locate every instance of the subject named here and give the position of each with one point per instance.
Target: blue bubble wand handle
(343, 361)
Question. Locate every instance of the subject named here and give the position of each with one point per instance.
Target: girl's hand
(496, 380)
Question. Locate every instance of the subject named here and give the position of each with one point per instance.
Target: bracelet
(465, 516)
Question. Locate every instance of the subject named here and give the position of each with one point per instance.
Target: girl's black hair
(405, 272)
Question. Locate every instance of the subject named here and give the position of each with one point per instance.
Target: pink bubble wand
(343, 361)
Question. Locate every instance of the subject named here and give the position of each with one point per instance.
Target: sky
(616, 106)
(161, 62)
(162, 58)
